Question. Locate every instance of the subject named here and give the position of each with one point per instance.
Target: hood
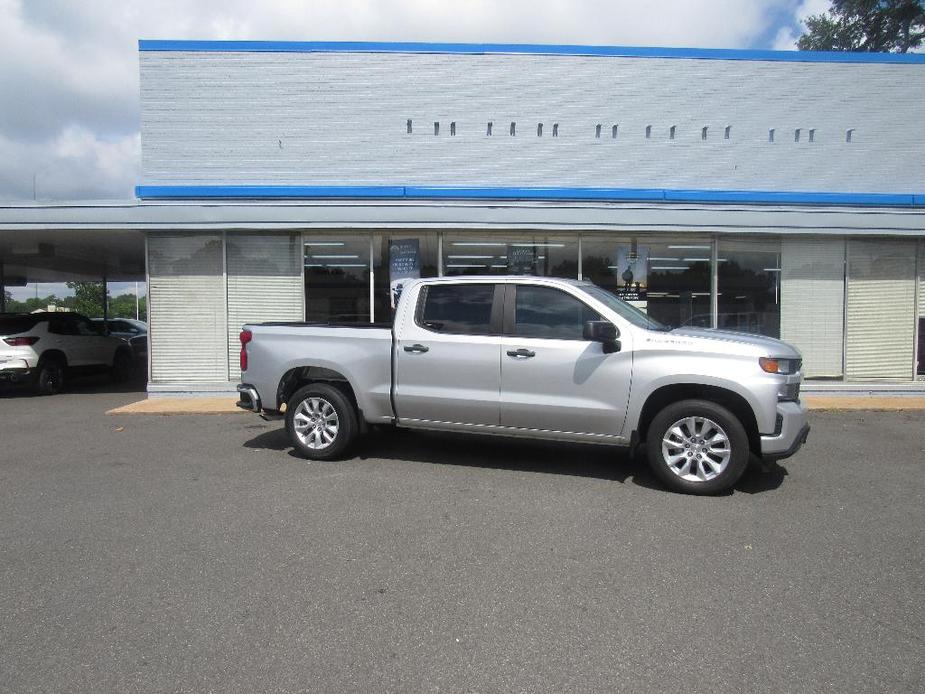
(772, 346)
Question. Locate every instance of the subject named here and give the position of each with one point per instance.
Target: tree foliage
(121, 306)
(88, 298)
(893, 26)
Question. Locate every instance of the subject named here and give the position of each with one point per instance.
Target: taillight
(20, 341)
(245, 337)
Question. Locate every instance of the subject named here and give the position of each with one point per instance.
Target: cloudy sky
(69, 68)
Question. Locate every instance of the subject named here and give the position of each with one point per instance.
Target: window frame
(510, 312)
(495, 318)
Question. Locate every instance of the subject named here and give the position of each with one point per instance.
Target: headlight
(773, 365)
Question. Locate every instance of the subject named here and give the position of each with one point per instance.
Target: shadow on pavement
(83, 384)
(549, 457)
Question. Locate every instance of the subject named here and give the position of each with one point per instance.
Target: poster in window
(632, 270)
(404, 264)
(521, 259)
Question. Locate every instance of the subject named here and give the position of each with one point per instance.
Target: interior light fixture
(478, 244)
(325, 243)
(689, 248)
(334, 256)
(538, 245)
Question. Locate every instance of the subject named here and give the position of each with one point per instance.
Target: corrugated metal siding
(812, 302)
(264, 284)
(340, 119)
(881, 309)
(186, 300)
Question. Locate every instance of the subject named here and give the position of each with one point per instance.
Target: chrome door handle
(417, 349)
(521, 353)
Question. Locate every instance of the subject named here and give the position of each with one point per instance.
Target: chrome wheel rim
(696, 449)
(315, 422)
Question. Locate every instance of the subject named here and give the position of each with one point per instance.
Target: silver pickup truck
(536, 357)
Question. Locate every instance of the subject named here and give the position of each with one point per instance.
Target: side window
(460, 309)
(549, 313)
(62, 325)
(84, 328)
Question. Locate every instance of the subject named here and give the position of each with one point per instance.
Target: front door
(448, 358)
(551, 378)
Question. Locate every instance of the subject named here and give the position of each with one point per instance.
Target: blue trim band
(529, 49)
(758, 197)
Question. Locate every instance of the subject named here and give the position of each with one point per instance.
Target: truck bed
(360, 353)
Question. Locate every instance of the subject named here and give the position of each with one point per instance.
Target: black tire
(50, 376)
(317, 397)
(703, 461)
(122, 365)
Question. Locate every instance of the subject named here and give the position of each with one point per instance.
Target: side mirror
(604, 332)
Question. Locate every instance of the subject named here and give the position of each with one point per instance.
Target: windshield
(623, 309)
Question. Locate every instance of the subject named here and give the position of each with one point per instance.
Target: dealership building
(781, 193)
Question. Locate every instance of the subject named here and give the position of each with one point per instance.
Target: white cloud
(786, 39)
(69, 70)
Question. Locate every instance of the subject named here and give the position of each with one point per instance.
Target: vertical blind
(813, 302)
(881, 313)
(264, 284)
(186, 308)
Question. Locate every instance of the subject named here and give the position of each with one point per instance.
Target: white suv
(43, 348)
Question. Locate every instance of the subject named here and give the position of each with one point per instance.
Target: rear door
(94, 348)
(551, 377)
(448, 356)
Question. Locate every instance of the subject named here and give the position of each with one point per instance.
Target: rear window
(13, 325)
(461, 309)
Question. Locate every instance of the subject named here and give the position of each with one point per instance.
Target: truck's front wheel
(697, 447)
(321, 422)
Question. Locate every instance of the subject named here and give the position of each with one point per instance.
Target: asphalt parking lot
(196, 554)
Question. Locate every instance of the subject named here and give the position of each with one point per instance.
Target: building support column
(105, 300)
(2, 288)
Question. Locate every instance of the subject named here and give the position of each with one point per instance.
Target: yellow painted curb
(866, 402)
(169, 406)
(226, 404)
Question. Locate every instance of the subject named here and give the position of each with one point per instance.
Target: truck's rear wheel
(321, 422)
(697, 447)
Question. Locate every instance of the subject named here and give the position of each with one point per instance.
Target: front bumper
(791, 434)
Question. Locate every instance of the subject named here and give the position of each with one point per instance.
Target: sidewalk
(226, 404)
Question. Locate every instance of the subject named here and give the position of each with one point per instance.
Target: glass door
(337, 278)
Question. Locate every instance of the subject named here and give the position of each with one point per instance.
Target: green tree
(123, 306)
(34, 304)
(893, 26)
(87, 299)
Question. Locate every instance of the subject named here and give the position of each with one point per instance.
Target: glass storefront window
(337, 278)
(749, 286)
(397, 257)
(510, 254)
(669, 279)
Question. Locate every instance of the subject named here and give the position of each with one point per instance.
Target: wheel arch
(300, 376)
(732, 401)
(53, 355)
